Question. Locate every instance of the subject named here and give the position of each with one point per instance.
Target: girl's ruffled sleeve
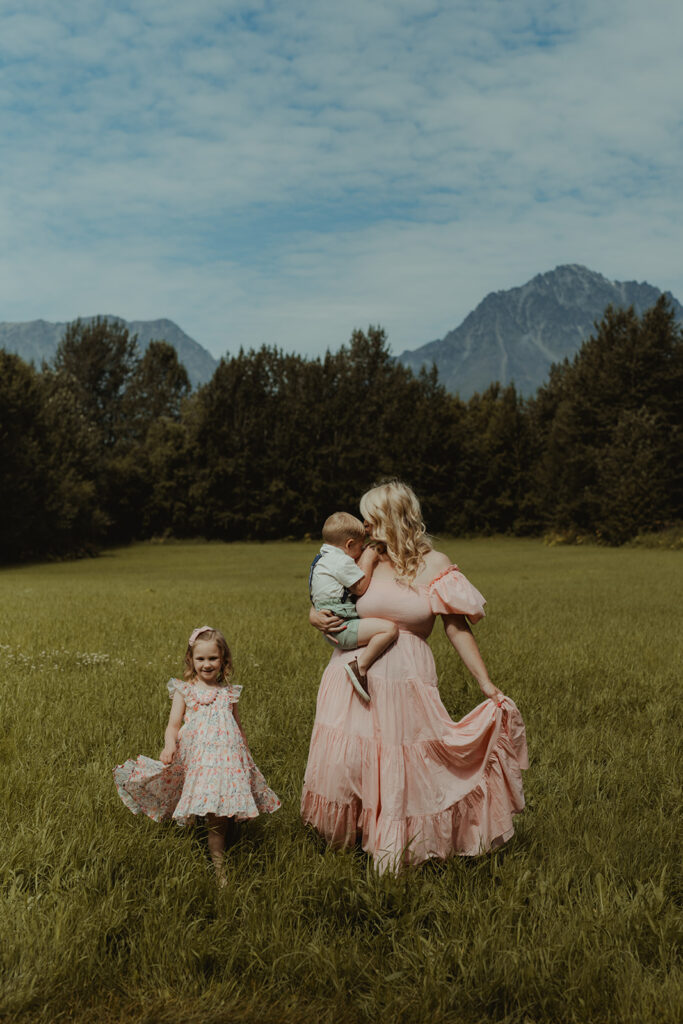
(234, 692)
(175, 684)
(452, 593)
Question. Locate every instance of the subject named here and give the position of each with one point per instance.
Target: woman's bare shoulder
(437, 560)
(434, 562)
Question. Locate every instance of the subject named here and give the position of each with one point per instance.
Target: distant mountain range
(37, 340)
(512, 335)
(516, 335)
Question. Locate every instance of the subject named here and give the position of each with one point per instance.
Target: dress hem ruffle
(154, 789)
(478, 821)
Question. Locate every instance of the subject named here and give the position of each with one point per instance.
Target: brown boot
(359, 682)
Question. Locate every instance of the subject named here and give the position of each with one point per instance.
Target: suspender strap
(346, 596)
(310, 576)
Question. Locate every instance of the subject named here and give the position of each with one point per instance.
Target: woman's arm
(460, 635)
(175, 720)
(327, 622)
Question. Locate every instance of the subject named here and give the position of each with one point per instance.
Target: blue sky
(283, 172)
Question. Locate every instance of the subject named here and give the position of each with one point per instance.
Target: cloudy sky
(283, 171)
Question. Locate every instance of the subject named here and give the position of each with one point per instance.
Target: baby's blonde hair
(342, 526)
(226, 657)
(395, 518)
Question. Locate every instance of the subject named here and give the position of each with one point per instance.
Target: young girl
(205, 767)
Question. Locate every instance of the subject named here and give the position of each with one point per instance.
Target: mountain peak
(516, 335)
(37, 340)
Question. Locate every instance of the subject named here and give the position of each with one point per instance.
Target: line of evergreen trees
(105, 444)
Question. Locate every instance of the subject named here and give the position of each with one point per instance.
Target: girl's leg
(374, 636)
(216, 829)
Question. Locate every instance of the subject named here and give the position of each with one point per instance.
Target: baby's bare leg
(374, 636)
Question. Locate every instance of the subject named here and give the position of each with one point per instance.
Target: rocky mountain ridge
(37, 340)
(516, 335)
(512, 335)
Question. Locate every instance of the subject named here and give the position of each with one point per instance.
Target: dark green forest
(105, 445)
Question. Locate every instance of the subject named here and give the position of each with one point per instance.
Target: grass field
(111, 918)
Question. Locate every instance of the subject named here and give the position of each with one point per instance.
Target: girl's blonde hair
(226, 656)
(394, 513)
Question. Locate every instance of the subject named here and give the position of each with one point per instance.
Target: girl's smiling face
(206, 661)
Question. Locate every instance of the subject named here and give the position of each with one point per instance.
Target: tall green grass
(111, 918)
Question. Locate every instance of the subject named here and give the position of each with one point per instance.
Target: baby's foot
(358, 681)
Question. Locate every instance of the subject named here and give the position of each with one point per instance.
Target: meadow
(111, 918)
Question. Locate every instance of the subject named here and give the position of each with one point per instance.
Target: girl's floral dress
(212, 772)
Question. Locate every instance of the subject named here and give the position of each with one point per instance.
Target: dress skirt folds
(398, 774)
(212, 772)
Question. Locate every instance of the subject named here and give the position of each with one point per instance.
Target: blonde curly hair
(395, 519)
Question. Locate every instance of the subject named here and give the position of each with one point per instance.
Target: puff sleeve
(195, 697)
(451, 593)
(234, 692)
(175, 684)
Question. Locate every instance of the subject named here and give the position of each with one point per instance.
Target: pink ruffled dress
(398, 774)
(212, 772)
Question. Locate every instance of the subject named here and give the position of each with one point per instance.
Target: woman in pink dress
(397, 773)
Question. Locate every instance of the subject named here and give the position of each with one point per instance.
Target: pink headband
(196, 632)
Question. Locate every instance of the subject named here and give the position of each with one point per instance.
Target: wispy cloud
(271, 172)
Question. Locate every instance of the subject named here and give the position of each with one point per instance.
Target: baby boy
(339, 574)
